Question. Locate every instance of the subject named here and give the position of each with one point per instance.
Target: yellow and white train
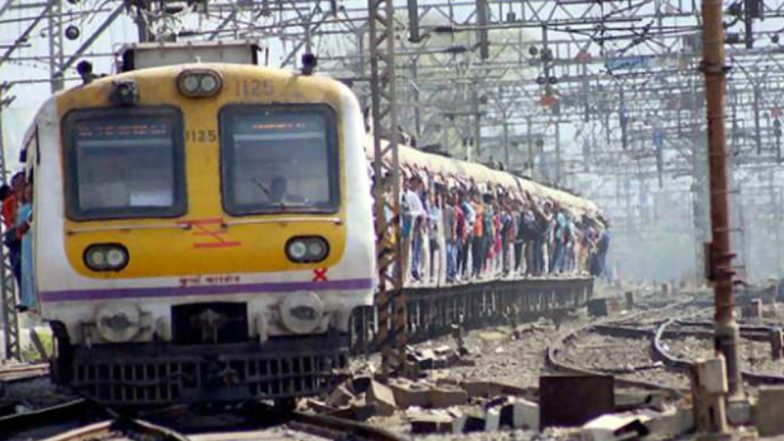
(201, 231)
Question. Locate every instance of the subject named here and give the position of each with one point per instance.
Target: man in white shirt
(412, 210)
(412, 204)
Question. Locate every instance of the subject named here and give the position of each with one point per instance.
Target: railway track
(120, 429)
(649, 334)
(23, 372)
(620, 347)
(755, 333)
(647, 329)
(83, 420)
(555, 361)
(751, 333)
(259, 418)
(51, 420)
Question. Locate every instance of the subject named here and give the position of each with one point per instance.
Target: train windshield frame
(124, 163)
(279, 158)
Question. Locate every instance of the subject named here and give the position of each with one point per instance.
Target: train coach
(203, 226)
(202, 231)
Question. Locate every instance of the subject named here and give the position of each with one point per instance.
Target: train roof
(136, 56)
(457, 170)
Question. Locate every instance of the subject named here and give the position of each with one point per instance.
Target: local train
(202, 227)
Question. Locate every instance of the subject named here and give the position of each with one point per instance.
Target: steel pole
(10, 319)
(557, 153)
(477, 124)
(142, 30)
(726, 330)
(390, 297)
(774, 203)
(529, 134)
(506, 144)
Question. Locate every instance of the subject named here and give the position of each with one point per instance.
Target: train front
(211, 237)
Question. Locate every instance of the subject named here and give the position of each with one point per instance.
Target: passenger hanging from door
(11, 240)
(24, 234)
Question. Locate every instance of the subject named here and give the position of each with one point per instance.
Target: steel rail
(130, 428)
(23, 372)
(750, 377)
(350, 429)
(101, 423)
(12, 426)
(756, 333)
(257, 416)
(110, 424)
(553, 352)
(553, 361)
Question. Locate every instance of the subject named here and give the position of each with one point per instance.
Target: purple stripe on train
(177, 291)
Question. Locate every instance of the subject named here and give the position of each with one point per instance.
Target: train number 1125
(201, 136)
(253, 88)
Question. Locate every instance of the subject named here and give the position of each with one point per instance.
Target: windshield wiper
(258, 182)
(281, 205)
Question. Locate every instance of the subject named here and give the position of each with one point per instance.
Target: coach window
(124, 163)
(279, 159)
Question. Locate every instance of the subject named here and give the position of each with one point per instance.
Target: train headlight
(208, 84)
(199, 83)
(106, 257)
(297, 250)
(96, 259)
(190, 85)
(317, 249)
(125, 92)
(308, 249)
(118, 323)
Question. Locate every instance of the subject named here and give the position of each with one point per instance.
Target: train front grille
(155, 375)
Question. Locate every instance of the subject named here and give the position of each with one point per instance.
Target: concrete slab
(476, 389)
(458, 420)
(475, 421)
(525, 414)
(713, 375)
(492, 419)
(358, 410)
(409, 393)
(672, 423)
(445, 396)
(769, 412)
(496, 388)
(430, 422)
(382, 397)
(615, 427)
(339, 397)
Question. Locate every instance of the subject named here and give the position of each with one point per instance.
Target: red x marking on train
(213, 230)
(320, 275)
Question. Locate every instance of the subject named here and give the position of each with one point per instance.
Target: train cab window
(124, 163)
(279, 158)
